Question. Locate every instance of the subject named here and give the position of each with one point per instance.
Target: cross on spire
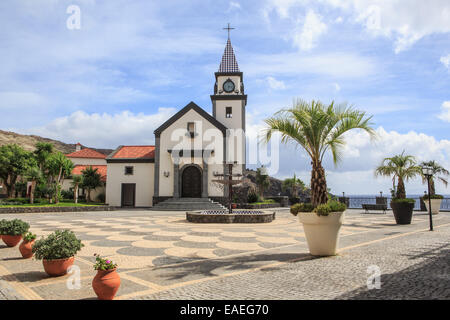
(228, 28)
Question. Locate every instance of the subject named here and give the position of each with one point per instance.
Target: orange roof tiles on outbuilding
(100, 169)
(135, 152)
(86, 153)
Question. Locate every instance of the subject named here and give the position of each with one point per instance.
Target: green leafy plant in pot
(27, 245)
(401, 168)
(12, 231)
(107, 281)
(57, 251)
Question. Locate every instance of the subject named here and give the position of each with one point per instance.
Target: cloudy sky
(132, 64)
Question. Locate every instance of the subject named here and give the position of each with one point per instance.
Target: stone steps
(188, 204)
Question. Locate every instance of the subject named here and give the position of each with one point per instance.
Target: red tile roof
(100, 169)
(86, 153)
(135, 152)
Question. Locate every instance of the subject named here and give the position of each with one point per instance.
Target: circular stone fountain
(223, 216)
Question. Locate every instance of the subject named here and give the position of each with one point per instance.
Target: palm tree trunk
(401, 193)
(88, 195)
(432, 190)
(33, 186)
(75, 194)
(319, 192)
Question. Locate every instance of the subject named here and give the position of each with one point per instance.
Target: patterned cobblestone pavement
(162, 256)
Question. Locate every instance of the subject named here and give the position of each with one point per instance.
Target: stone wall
(54, 209)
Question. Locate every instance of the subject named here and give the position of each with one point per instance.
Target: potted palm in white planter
(438, 172)
(321, 225)
(318, 128)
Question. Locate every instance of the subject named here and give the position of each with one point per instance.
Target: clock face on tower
(228, 86)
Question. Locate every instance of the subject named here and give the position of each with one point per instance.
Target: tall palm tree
(34, 175)
(91, 181)
(318, 128)
(77, 180)
(439, 173)
(59, 167)
(401, 167)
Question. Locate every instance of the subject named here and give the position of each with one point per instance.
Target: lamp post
(428, 174)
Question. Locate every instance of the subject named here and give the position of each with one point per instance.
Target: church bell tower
(228, 104)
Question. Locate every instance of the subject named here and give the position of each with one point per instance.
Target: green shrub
(58, 245)
(405, 200)
(434, 196)
(301, 207)
(253, 197)
(336, 206)
(322, 209)
(14, 227)
(29, 237)
(67, 194)
(330, 206)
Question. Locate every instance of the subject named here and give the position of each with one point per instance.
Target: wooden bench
(368, 207)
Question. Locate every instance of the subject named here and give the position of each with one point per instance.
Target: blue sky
(132, 64)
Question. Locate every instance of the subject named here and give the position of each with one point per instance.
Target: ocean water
(356, 201)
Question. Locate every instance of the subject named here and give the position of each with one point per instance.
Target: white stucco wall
(174, 137)
(88, 161)
(143, 177)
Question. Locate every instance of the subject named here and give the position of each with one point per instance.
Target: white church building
(192, 149)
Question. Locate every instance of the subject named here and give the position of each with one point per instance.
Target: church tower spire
(229, 62)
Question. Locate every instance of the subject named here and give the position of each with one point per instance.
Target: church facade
(192, 149)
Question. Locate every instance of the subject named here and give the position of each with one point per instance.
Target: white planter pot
(322, 232)
(435, 205)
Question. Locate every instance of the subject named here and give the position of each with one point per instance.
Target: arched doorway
(191, 182)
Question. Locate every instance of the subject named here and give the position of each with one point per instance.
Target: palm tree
(59, 167)
(262, 181)
(318, 128)
(293, 185)
(438, 172)
(91, 180)
(77, 180)
(42, 152)
(33, 175)
(401, 167)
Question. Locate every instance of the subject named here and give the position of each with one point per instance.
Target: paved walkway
(161, 256)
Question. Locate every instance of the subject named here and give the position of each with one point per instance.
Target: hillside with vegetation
(28, 142)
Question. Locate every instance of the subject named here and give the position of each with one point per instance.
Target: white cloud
(104, 130)
(234, 5)
(403, 21)
(307, 35)
(275, 84)
(445, 60)
(445, 113)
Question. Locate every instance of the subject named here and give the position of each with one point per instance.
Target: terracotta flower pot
(57, 267)
(25, 249)
(11, 241)
(106, 283)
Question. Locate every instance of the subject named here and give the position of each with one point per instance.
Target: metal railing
(357, 202)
